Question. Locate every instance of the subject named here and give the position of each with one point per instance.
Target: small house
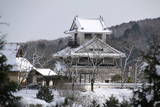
(41, 76)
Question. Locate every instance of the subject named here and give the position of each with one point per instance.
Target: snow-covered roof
(86, 50)
(10, 50)
(90, 25)
(45, 72)
(18, 63)
(23, 64)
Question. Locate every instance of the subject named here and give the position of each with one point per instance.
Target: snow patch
(23, 64)
(60, 67)
(158, 70)
(45, 72)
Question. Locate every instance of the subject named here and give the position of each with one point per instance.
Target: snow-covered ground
(29, 97)
(84, 98)
(104, 94)
(101, 94)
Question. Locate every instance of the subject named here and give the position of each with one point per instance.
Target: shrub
(112, 102)
(45, 94)
(65, 102)
(94, 104)
(116, 78)
(125, 103)
(130, 80)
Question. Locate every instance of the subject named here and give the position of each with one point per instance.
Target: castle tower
(84, 29)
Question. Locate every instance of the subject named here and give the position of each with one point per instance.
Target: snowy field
(29, 97)
(82, 98)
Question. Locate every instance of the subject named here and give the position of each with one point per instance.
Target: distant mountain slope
(135, 33)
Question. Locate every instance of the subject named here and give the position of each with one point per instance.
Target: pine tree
(45, 94)
(149, 94)
(111, 102)
(7, 99)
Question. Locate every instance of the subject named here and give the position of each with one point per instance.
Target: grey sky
(48, 19)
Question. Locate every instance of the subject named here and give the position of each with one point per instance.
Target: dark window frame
(99, 35)
(88, 36)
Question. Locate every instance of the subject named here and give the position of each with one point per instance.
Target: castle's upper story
(84, 29)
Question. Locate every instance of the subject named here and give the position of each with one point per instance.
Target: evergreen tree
(7, 99)
(125, 103)
(45, 94)
(94, 104)
(111, 102)
(149, 94)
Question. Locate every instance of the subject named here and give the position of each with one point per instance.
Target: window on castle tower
(88, 36)
(99, 36)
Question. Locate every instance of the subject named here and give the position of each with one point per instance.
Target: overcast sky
(48, 19)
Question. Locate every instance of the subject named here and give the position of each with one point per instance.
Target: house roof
(23, 64)
(18, 63)
(45, 72)
(93, 48)
(90, 25)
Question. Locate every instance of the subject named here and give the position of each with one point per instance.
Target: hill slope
(138, 33)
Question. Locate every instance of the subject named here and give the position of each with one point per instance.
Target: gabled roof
(23, 64)
(90, 25)
(93, 48)
(45, 72)
(18, 63)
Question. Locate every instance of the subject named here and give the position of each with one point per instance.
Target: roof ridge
(90, 18)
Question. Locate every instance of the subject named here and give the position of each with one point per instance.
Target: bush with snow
(45, 94)
(111, 102)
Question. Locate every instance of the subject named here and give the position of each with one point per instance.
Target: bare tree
(95, 60)
(139, 63)
(71, 73)
(128, 49)
(126, 62)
